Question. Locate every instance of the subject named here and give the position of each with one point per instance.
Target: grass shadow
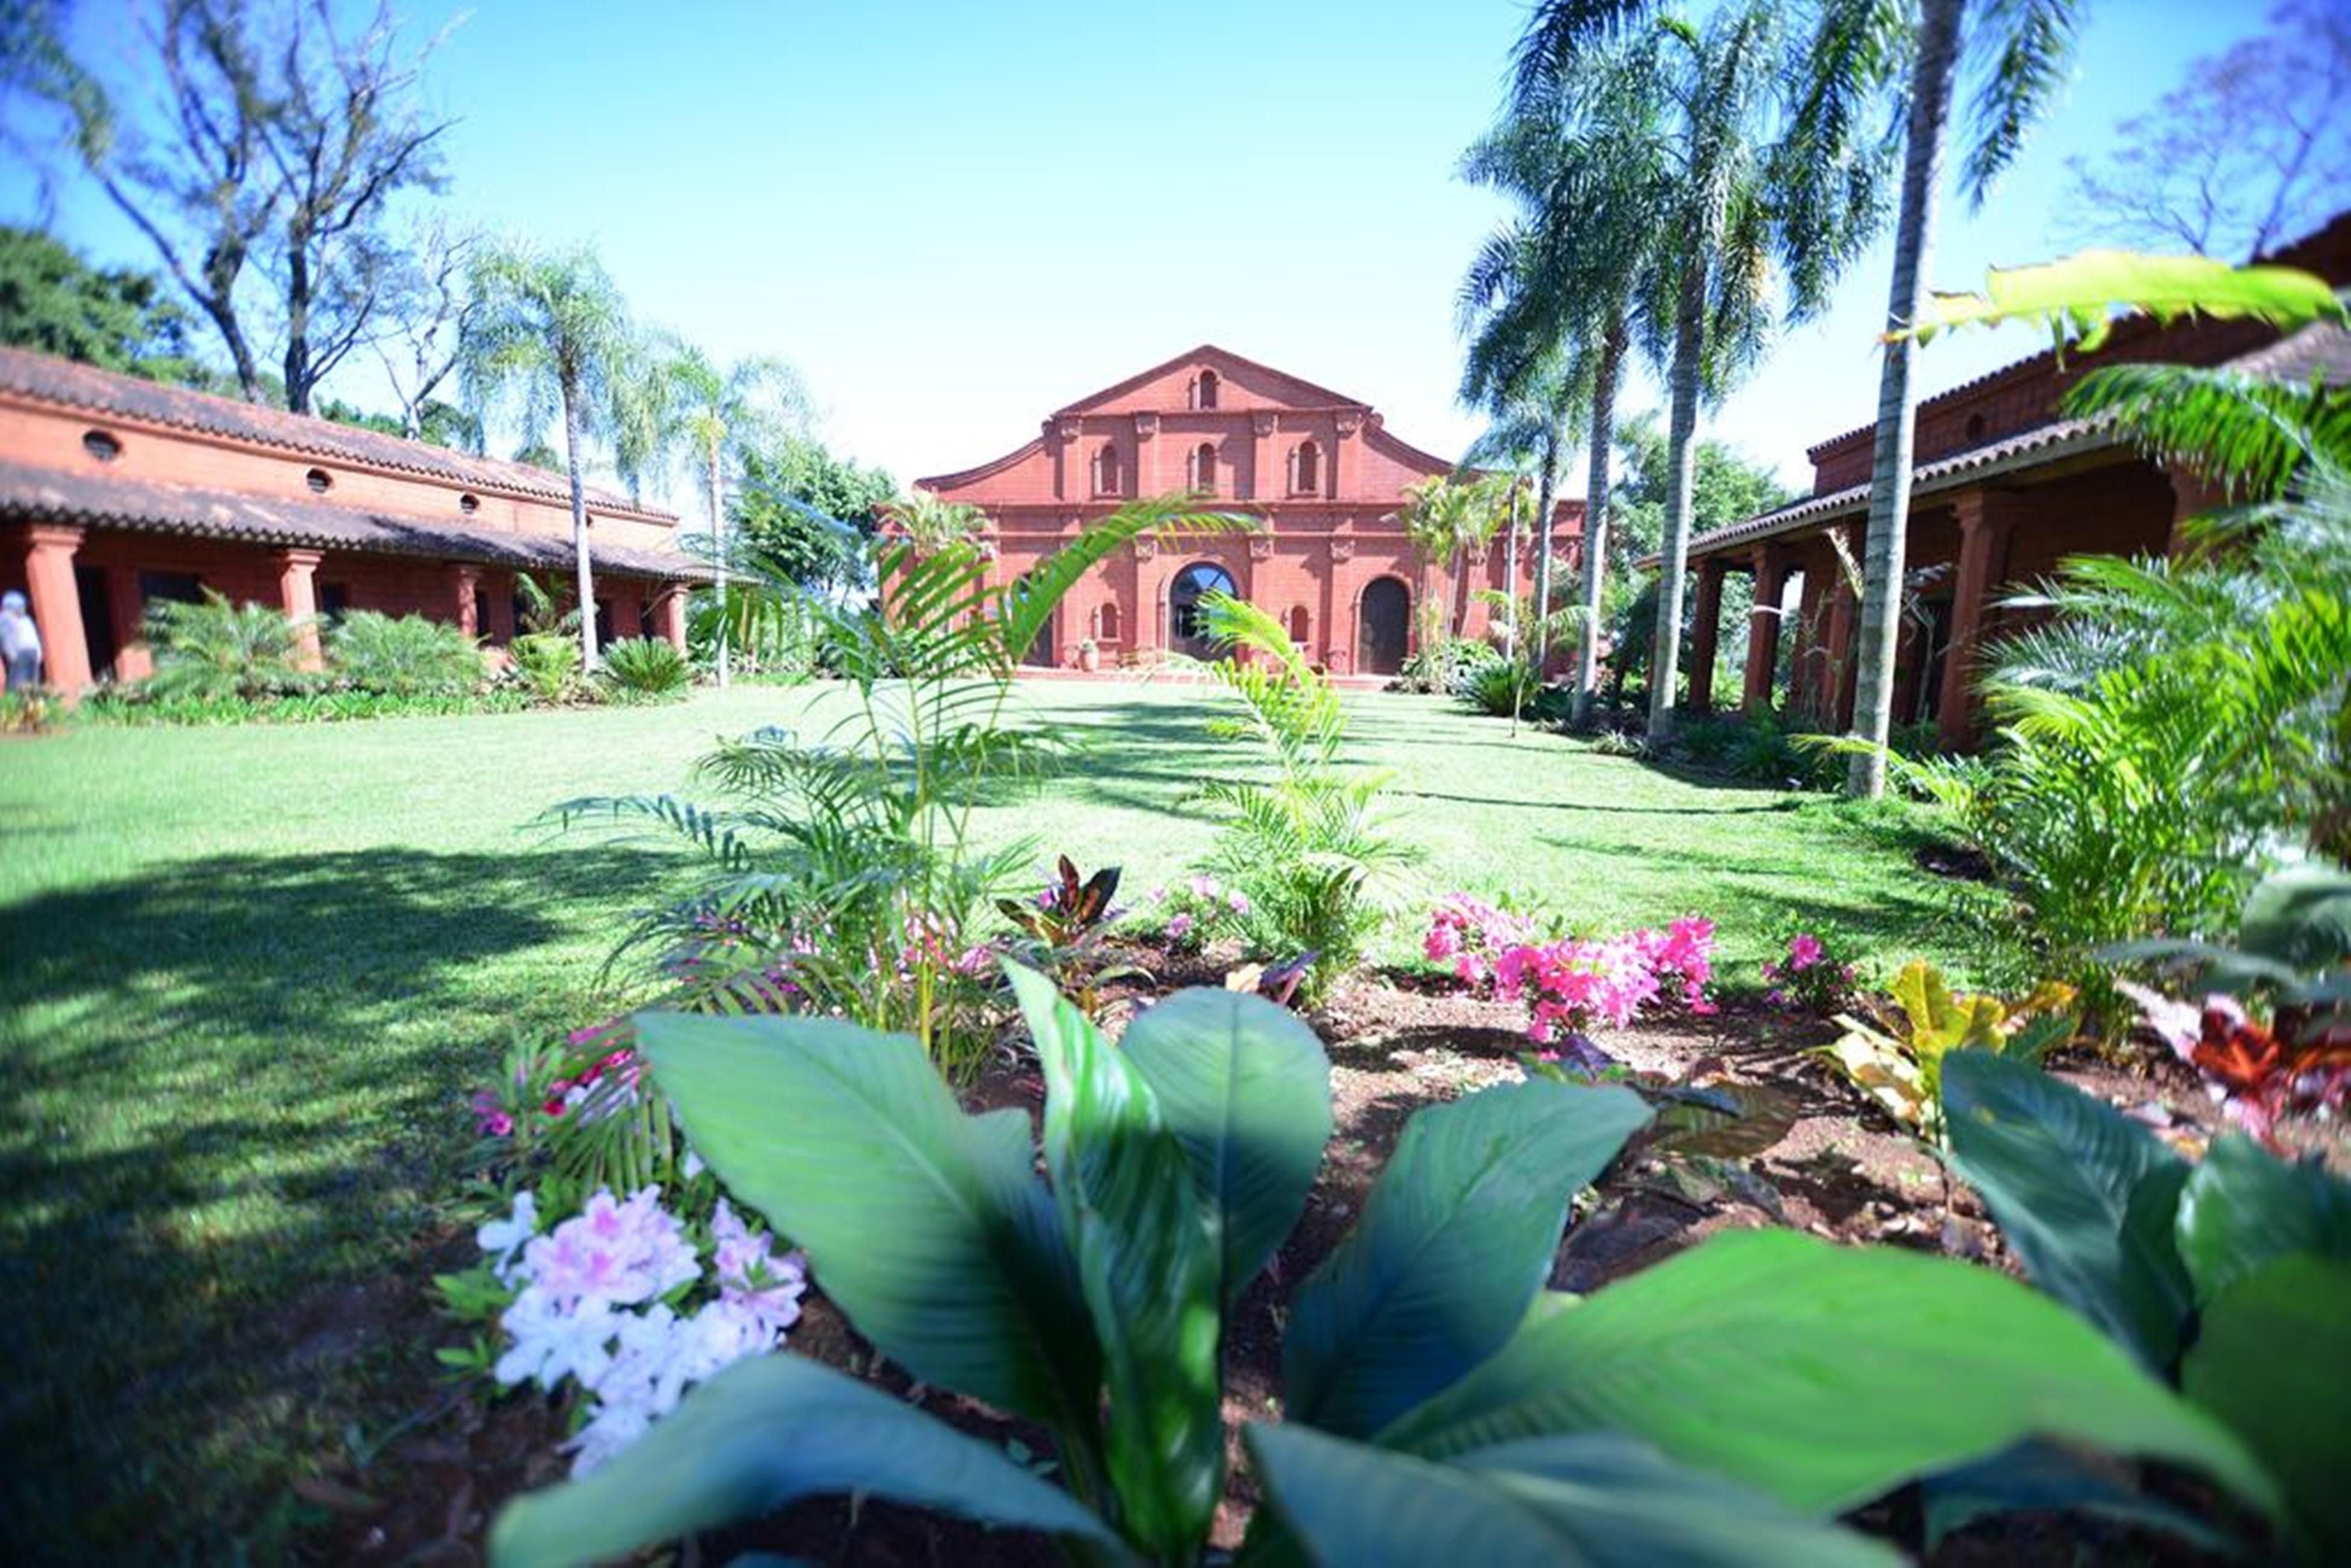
(236, 1083)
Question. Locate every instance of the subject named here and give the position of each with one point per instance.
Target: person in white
(20, 642)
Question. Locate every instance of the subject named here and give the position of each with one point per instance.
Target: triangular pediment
(1241, 384)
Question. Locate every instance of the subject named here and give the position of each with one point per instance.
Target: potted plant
(1089, 655)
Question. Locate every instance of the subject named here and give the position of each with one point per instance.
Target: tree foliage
(115, 318)
(258, 148)
(2251, 150)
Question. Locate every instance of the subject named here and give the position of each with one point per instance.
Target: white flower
(552, 1342)
(502, 1238)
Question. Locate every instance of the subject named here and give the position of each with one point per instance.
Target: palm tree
(1771, 191)
(931, 525)
(552, 329)
(1449, 519)
(1553, 297)
(720, 413)
(1533, 438)
(2029, 43)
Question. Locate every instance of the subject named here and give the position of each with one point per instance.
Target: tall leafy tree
(1551, 301)
(2021, 50)
(723, 412)
(261, 156)
(2252, 148)
(551, 333)
(1774, 185)
(117, 318)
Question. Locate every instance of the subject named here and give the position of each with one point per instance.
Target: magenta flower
(1804, 951)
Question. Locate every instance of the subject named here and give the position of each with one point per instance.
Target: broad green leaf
(1455, 1239)
(762, 1434)
(2274, 1361)
(1147, 1260)
(1246, 1088)
(2244, 1207)
(927, 1226)
(1822, 1374)
(2062, 1173)
(1592, 1498)
(2300, 917)
(2074, 296)
(2044, 1478)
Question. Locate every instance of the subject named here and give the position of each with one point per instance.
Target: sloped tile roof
(44, 495)
(106, 392)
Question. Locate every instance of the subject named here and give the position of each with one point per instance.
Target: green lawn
(248, 976)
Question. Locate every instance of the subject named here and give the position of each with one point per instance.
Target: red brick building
(116, 492)
(2004, 489)
(1318, 469)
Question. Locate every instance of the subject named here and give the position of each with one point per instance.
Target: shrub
(1812, 973)
(646, 667)
(143, 707)
(841, 875)
(1433, 1401)
(1572, 985)
(214, 649)
(408, 655)
(1505, 688)
(1447, 666)
(27, 710)
(1307, 850)
(548, 663)
(1896, 1055)
(2230, 1279)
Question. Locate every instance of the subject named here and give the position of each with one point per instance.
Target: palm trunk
(1545, 482)
(1510, 577)
(1897, 409)
(1595, 515)
(1689, 346)
(718, 552)
(580, 526)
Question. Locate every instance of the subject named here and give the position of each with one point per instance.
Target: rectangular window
(178, 587)
(334, 598)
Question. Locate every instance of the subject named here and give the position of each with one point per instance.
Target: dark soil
(1398, 1041)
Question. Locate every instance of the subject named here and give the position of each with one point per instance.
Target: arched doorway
(1384, 633)
(1187, 628)
(1043, 653)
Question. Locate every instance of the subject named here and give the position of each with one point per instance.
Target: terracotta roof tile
(104, 392)
(44, 495)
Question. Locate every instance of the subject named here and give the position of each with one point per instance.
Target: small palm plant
(1436, 1403)
(842, 874)
(1307, 847)
(403, 655)
(215, 649)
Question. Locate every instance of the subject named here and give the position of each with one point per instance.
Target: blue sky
(955, 218)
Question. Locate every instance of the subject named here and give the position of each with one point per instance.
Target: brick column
(56, 604)
(1146, 454)
(500, 627)
(1705, 634)
(1341, 480)
(2191, 497)
(464, 579)
(298, 595)
(1985, 518)
(1265, 480)
(1763, 630)
(669, 616)
(132, 659)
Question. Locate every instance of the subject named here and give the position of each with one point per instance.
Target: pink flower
(1179, 926)
(1804, 951)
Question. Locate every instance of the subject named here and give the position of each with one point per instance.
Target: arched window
(1305, 469)
(1204, 390)
(1298, 624)
(1107, 626)
(1187, 626)
(1204, 468)
(1106, 469)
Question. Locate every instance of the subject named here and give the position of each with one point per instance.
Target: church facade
(1317, 470)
